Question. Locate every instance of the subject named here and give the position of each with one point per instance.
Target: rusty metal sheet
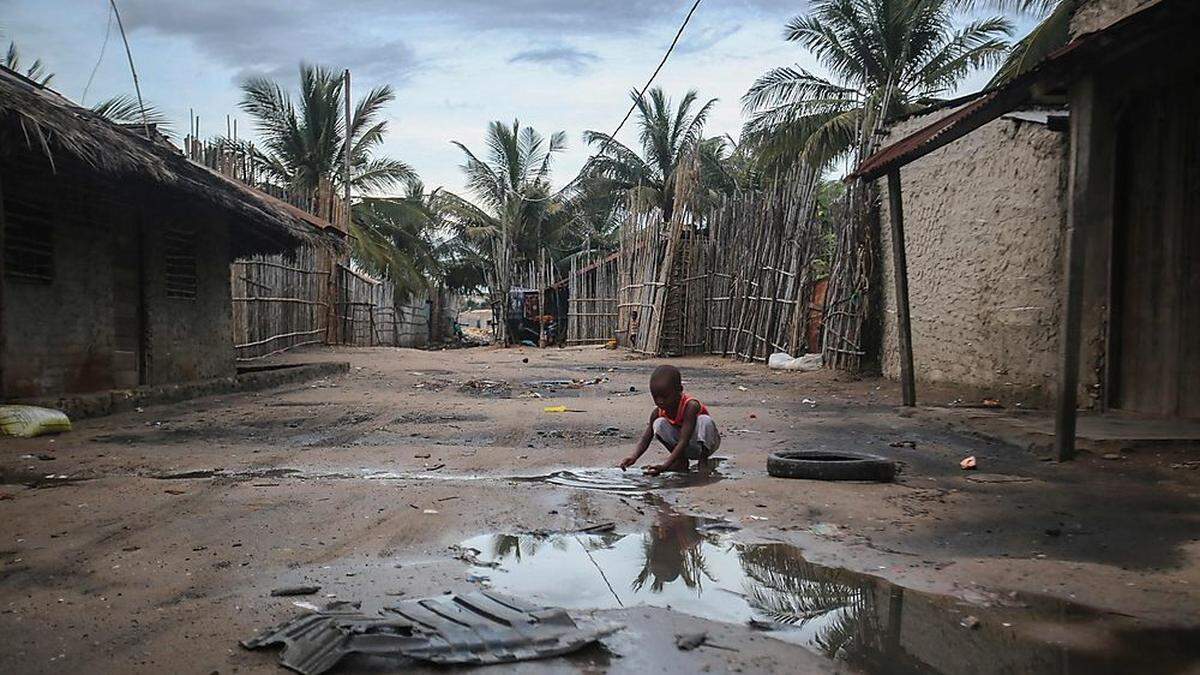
(478, 628)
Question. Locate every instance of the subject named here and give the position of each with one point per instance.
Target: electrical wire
(628, 113)
(103, 46)
(136, 87)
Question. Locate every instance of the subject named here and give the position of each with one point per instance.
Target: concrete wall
(983, 225)
(1096, 14)
(61, 336)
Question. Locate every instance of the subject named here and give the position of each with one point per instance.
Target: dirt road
(150, 541)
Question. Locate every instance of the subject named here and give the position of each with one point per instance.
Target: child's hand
(654, 469)
(627, 462)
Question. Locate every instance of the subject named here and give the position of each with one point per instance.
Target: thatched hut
(117, 250)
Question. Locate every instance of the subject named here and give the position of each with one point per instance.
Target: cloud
(566, 59)
(705, 38)
(266, 37)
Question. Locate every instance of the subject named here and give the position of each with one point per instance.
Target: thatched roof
(46, 121)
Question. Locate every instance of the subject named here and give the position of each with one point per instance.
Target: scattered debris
(597, 528)
(903, 444)
(45, 457)
(286, 591)
(560, 409)
(784, 361)
(689, 641)
(487, 628)
(968, 463)
(306, 605)
(422, 456)
(471, 557)
(436, 467)
(741, 388)
(487, 388)
(432, 512)
(175, 492)
(969, 622)
(997, 478)
(1113, 456)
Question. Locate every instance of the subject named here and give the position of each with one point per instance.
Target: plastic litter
(27, 421)
(784, 361)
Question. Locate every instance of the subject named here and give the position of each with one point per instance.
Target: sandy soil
(157, 542)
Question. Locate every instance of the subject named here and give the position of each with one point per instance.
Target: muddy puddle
(614, 481)
(695, 566)
(631, 482)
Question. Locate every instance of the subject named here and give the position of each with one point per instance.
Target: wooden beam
(908, 386)
(1083, 182)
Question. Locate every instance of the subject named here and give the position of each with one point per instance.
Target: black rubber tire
(826, 465)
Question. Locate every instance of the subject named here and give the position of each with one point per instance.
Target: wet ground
(150, 542)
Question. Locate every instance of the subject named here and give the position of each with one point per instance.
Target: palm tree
(666, 134)
(125, 109)
(397, 238)
(36, 70)
(1052, 32)
(514, 216)
(886, 57)
(304, 142)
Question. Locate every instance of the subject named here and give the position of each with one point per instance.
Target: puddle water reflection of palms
(680, 563)
(685, 563)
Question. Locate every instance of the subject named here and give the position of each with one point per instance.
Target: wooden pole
(1082, 183)
(346, 152)
(908, 386)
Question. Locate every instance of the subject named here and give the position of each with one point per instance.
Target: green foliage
(36, 71)
(884, 57)
(513, 209)
(124, 109)
(304, 141)
(667, 133)
(1052, 32)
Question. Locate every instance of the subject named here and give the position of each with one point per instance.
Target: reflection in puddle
(632, 481)
(862, 620)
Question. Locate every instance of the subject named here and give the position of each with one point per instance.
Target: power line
(136, 87)
(103, 46)
(628, 113)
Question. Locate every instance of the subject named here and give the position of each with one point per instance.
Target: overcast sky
(455, 64)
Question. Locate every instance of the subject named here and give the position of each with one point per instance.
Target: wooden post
(908, 385)
(346, 158)
(1082, 183)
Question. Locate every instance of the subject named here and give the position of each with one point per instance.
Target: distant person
(681, 423)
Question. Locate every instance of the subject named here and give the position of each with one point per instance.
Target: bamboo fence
(763, 247)
(280, 303)
(592, 297)
(731, 278)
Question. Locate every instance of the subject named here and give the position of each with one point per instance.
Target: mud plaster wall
(1096, 14)
(189, 338)
(60, 336)
(983, 226)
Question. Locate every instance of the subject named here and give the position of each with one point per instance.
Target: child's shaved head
(666, 378)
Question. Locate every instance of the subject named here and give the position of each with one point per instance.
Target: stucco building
(1059, 259)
